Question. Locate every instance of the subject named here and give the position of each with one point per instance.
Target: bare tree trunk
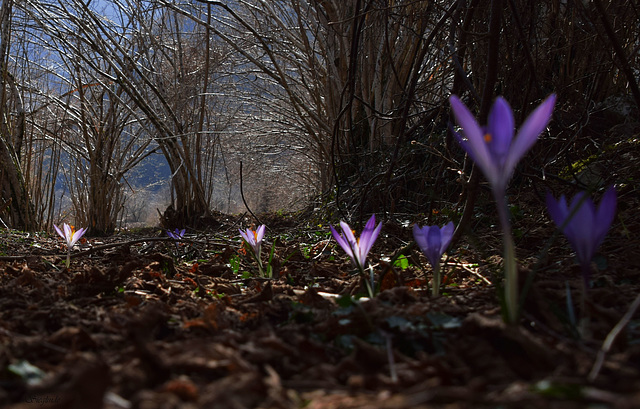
(13, 190)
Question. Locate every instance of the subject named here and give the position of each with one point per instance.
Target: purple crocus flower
(493, 148)
(584, 226)
(71, 236)
(357, 249)
(496, 152)
(177, 234)
(433, 240)
(254, 239)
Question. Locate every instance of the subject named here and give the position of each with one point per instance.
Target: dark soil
(140, 322)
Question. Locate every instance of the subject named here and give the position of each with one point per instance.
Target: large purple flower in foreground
(493, 148)
(254, 239)
(496, 152)
(584, 226)
(357, 249)
(433, 241)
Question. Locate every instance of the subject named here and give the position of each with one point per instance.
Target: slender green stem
(510, 264)
(437, 279)
(583, 322)
(259, 261)
(68, 258)
(373, 282)
(368, 284)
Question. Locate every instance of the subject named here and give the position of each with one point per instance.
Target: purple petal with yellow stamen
(357, 250)
(348, 235)
(247, 236)
(260, 233)
(68, 232)
(77, 235)
(495, 151)
(500, 130)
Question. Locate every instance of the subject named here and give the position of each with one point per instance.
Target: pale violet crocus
(584, 226)
(254, 239)
(71, 236)
(496, 151)
(176, 234)
(433, 241)
(357, 249)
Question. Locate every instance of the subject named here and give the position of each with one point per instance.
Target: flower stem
(68, 258)
(435, 289)
(510, 265)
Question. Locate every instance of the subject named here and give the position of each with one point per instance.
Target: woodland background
(110, 110)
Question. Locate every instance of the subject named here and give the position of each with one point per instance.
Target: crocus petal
(433, 241)
(446, 234)
(364, 249)
(500, 130)
(433, 245)
(249, 237)
(420, 236)
(367, 232)
(260, 233)
(604, 215)
(465, 119)
(475, 142)
(342, 242)
(580, 229)
(557, 209)
(245, 236)
(529, 131)
(59, 232)
(76, 236)
(355, 249)
(368, 237)
(68, 232)
(583, 225)
(348, 235)
(464, 143)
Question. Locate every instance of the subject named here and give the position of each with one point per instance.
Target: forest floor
(140, 321)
